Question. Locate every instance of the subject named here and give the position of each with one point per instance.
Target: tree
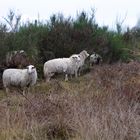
(13, 20)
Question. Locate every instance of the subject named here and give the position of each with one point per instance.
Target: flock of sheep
(24, 78)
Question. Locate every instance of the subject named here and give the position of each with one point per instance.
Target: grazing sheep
(95, 59)
(21, 78)
(83, 55)
(61, 65)
(17, 59)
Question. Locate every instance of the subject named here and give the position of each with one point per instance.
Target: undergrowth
(101, 105)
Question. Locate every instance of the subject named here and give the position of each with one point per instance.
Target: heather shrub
(61, 37)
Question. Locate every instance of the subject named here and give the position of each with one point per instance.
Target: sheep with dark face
(95, 59)
(20, 78)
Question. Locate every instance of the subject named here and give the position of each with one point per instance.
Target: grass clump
(103, 104)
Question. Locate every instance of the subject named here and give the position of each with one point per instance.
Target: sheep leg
(79, 71)
(71, 76)
(25, 90)
(47, 79)
(7, 90)
(76, 74)
(66, 77)
(90, 64)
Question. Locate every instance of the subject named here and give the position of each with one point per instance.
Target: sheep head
(31, 69)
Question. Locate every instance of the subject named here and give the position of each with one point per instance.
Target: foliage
(61, 37)
(13, 20)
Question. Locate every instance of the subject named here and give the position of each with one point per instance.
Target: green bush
(61, 37)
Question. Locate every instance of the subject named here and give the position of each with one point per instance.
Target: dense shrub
(61, 37)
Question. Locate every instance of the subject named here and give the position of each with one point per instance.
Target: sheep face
(31, 69)
(83, 54)
(76, 58)
(95, 58)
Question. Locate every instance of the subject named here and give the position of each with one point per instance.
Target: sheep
(17, 59)
(83, 55)
(61, 65)
(21, 78)
(95, 59)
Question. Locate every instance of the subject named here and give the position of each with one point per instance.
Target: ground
(102, 104)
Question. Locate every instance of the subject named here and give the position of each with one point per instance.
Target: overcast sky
(107, 11)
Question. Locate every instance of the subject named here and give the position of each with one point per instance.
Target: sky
(107, 12)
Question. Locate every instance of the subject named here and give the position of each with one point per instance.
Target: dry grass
(101, 105)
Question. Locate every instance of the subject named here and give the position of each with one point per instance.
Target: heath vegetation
(102, 104)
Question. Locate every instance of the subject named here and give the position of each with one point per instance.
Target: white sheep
(21, 78)
(83, 55)
(61, 65)
(95, 59)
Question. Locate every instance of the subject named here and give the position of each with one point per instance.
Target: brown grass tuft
(104, 104)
